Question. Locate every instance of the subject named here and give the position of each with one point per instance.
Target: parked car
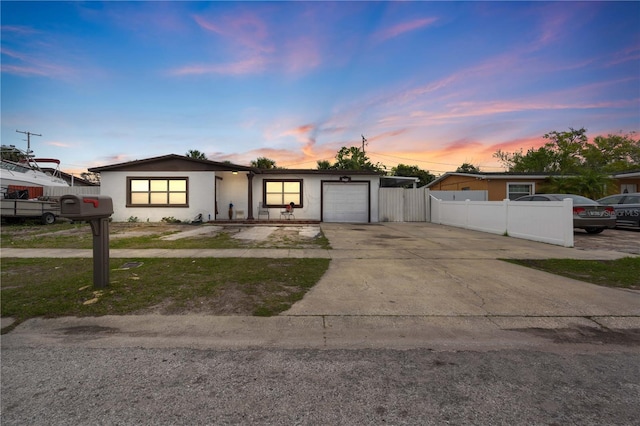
(627, 207)
(587, 213)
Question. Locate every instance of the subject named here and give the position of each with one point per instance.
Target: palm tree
(264, 163)
(194, 153)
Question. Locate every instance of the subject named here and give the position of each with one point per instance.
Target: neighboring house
(71, 179)
(500, 186)
(628, 181)
(183, 188)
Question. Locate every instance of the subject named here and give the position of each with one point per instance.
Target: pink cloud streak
(247, 66)
(403, 28)
(29, 66)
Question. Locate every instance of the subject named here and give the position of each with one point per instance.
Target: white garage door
(345, 202)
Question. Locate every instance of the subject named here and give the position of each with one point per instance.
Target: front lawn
(623, 272)
(230, 286)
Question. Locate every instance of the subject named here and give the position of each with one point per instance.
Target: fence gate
(402, 205)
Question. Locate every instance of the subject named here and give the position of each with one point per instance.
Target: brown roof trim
(147, 162)
(330, 172)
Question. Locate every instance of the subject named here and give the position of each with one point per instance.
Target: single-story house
(628, 181)
(500, 186)
(175, 186)
(72, 180)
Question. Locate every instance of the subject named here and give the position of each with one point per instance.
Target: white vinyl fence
(549, 222)
(460, 195)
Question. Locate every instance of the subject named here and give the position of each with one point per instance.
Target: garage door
(345, 202)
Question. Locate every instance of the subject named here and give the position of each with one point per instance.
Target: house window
(162, 192)
(280, 193)
(517, 190)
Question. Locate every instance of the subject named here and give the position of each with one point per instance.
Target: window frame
(532, 189)
(168, 179)
(265, 182)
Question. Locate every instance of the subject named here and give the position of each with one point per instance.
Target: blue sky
(432, 84)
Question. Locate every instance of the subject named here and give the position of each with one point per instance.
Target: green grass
(61, 287)
(623, 272)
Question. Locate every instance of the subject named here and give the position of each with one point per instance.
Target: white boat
(28, 173)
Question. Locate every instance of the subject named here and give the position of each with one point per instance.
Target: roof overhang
(173, 162)
(398, 181)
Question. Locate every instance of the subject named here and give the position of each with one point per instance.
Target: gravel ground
(623, 240)
(65, 386)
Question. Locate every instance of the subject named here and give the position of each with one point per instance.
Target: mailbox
(86, 207)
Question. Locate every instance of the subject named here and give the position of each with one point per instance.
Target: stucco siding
(201, 196)
(205, 189)
(311, 193)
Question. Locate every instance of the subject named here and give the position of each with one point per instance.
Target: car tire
(594, 230)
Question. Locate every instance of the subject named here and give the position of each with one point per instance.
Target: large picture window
(165, 192)
(517, 190)
(280, 193)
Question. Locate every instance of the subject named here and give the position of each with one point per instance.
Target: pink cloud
(30, 65)
(59, 144)
(514, 145)
(402, 28)
(17, 29)
(246, 30)
(242, 67)
(630, 54)
(301, 54)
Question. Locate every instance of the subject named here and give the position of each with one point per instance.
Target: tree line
(575, 164)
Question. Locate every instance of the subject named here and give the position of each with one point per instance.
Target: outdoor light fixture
(345, 179)
(235, 172)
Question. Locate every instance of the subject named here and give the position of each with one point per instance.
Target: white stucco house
(183, 188)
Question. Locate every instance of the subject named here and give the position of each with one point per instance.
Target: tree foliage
(571, 152)
(264, 163)
(590, 184)
(351, 158)
(582, 167)
(468, 168)
(324, 165)
(194, 153)
(413, 171)
(12, 153)
(90, 176)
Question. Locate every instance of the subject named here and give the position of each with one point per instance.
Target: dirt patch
(289, 237)
(229, 299)
(303, 236)
(584, 334)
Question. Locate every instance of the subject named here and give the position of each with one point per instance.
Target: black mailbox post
(96, 209)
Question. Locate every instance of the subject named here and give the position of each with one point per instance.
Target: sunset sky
(432, 84)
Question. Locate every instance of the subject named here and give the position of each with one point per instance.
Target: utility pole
(28, 140)
(364, 141)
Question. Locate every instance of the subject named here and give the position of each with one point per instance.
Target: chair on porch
(288, 213)
(262, 210)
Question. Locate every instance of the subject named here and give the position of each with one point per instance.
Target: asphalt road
(129, 386)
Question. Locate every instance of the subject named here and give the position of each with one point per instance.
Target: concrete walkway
(388, 285)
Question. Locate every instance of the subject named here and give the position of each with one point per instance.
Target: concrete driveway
(420, 269)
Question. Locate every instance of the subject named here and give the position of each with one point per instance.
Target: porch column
(250, 196)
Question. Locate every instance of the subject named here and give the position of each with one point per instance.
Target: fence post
(427, 205)
(505, 208)
(467, 202)
(567, 215)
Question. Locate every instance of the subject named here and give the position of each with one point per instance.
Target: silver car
(627, 207)
(587, 213)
